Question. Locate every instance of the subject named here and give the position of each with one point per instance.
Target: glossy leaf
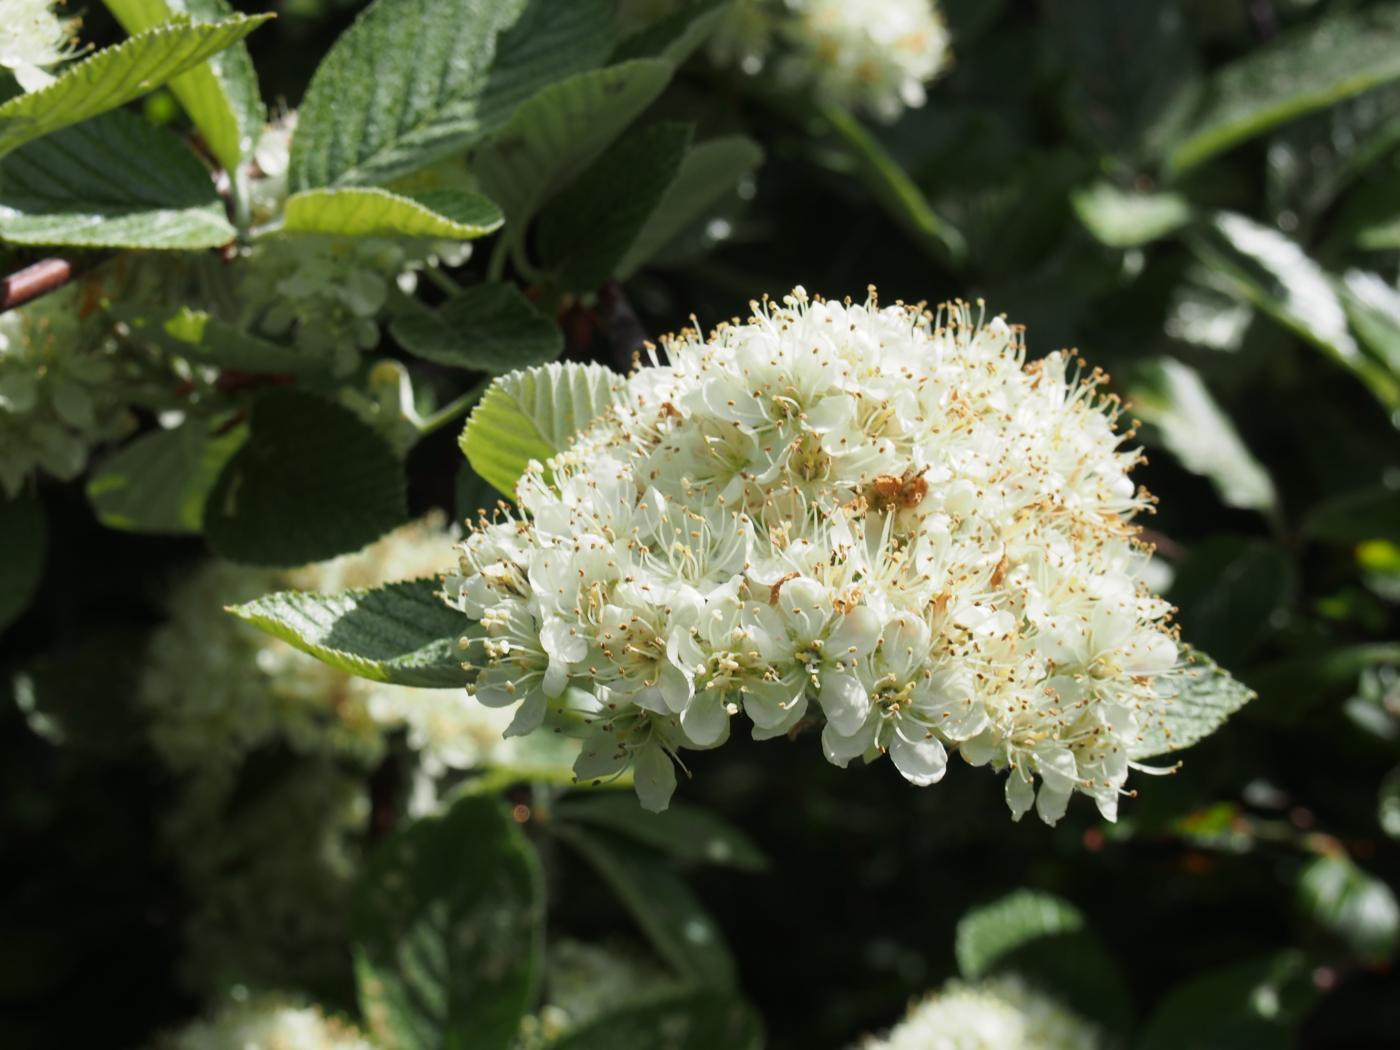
(112, 182)
(402, 633)
(1126, 219)
(413, 81)
(447, 927)
(114, 76)
(1357, 907)
(531, 415)
(221, 96)
(372, 212)
(312, 481)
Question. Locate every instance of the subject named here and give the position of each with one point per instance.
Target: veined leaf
(588, 228)
(447, 926)
(688, 1021)
(23, 544)
(531, 415)
(159, 483)
(1334, 57)
(488, 328)
(371, 212)
(221, 96)
(202, 339)
(1175, 401)
(403, 633)
(708, 172)
(1126, 219)
(413, 81)
(989, 934)
(1202, 697)
(112, 182)
(116, 75)
(662, 905)
(312, 481)
(683, 831)
(561, 130)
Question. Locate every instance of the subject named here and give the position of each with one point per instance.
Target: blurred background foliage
(1204, 196)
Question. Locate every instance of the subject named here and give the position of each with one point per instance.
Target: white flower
(868, 518)
(996, 1014)
(33, 39)
(57, 383)
(268, 1023)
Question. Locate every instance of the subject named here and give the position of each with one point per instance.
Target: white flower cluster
(56, 387)
(216, 688)
(837, 513)
(875, 55)
(996, 1014)
(33, 39)
(266, 1023)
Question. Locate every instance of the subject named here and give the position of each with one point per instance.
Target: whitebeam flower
(997, 1014)
(268, 1023)
(877, 520)
(33, 39)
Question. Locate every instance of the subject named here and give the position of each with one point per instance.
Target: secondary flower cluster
(996, 1014)
(33, 39)
(265, 1023)
(877, 520)
(875, 55)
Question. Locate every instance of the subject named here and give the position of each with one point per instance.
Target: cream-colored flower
(34, 39)
(269, 1023)
(996, 1014)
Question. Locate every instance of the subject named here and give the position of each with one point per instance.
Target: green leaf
(1172, 397)
(1044, 939)
(160, 482)
(1253, 1004)
(112, 182)
(413, 81)
(1262, 267)
(532, 414)
(402, 633)
(1388, 803)
(82, 695)
(588, 228)
(692, 1021)
(675, 36)
(1202, 697)
(312, 481)
(1355, 517)
(116, 75)
(1228, 591)
(561, 130)
(447, 926)
(1358, 908)
(371, 212)
(1373, 306)
(1332, 58)
(220, 96)
(24, 541)
(1126, 218)
(487, 328)
(204, 340)
(683, 831)
(661, 904)
(709, 171)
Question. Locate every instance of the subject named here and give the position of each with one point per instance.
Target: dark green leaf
(1388, 807)
(413, 81)
(662, 905)
(588, 228)
(114, 76)
(1228, 592)
(23, 545)
(1253, 1004)
(692, 1021)
(1355, 517)
(683, 831)
(1332, 58)
(362, 211)
(81, 695)
(221, 96)
(112, 182)
(161, 481)
(561, 130)
(488, 328)
(1357, 907)
(403, 633)
(447, 925)
(675, 36)
(312, 481)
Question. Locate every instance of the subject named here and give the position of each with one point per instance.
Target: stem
(33, 281)
(458, 406)
(895, 191)
(443, 280)
(500, 252)
(238, 199)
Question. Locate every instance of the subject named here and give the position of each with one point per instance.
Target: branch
(33, 281)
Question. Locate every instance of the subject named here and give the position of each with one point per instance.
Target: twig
(33, 281)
